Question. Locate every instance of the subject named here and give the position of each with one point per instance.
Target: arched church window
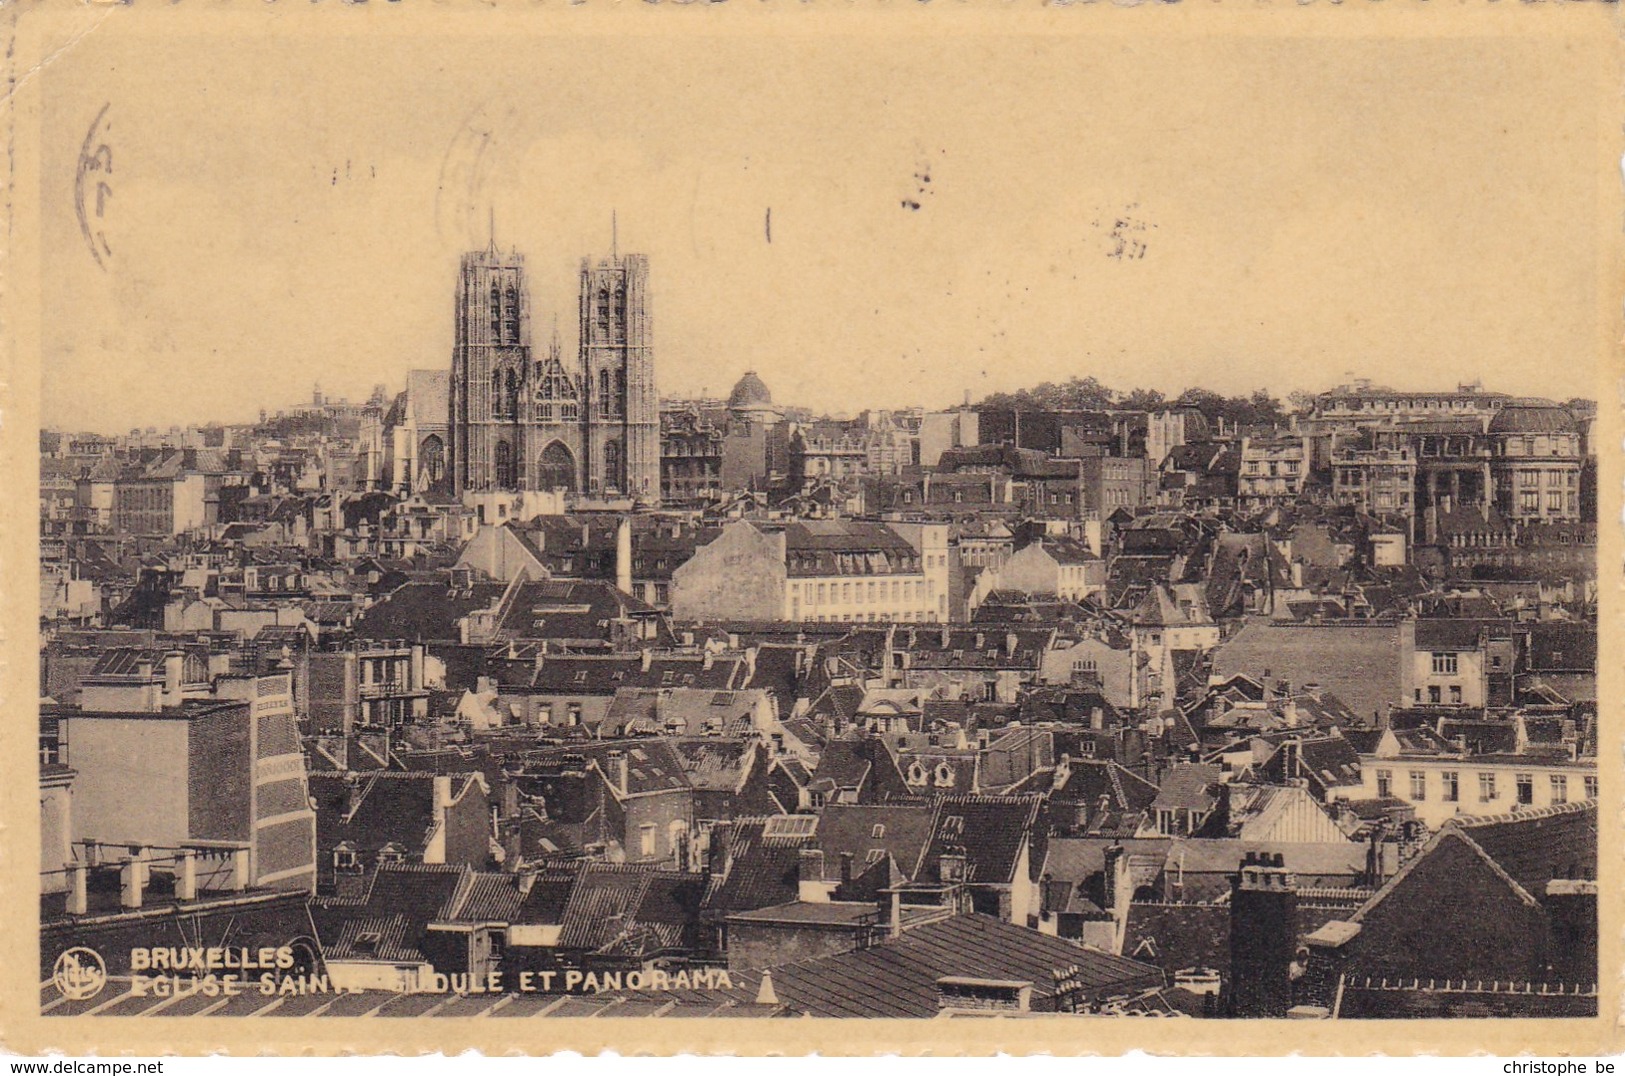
(612, 465)
(604, 404)
(513, 395)
(513, 315)
(496, 394)
(505, 473)
(432, 459)
(556, 468)
(496, 311)
(603, 309)
(620, 392)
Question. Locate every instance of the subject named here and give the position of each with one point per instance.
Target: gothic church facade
(521, 419)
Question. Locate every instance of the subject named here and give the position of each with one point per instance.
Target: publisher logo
(79, 974)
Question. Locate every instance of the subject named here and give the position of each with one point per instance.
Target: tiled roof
(601, 905)
(867, 833)
(1535, 847)
(899, 978)
(1179, 936)
(1359, 662)
(548, 898)
(717, 763)
(1561, 646)
(377, 937)
(570, 675)
(425, 610)
(562, 609)
(484, 897)
(757, 870)
(1189, 787)
(989, 831)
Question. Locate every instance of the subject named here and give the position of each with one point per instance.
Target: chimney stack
(623, 555)
(174, 666)
(619, 770)
(810, 888)
(1263, 936)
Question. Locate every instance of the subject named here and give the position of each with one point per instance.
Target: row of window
(1488, 786)
(1286, 467)
(910, 590)
(1556, 500)
(882, 617)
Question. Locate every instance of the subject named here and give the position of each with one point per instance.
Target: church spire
(493, 232)
(614, 239)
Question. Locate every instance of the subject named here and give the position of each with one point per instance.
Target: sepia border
(37, 34)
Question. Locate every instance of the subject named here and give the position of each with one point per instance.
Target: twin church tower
(523, 420)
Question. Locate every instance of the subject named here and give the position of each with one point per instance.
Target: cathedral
(520, 418)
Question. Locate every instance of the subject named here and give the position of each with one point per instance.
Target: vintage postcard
(774, 528)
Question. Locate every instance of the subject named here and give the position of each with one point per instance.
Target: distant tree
(1142, 400)
(1075, 394)
(1301, 401)
(1264, 409)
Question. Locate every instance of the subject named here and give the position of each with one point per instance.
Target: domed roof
(1532, 416)
(749, 392)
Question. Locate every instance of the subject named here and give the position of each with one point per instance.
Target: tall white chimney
(623, 555)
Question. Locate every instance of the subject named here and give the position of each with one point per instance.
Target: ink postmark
(92, 186)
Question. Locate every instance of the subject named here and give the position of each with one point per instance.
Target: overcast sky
(1418, 213)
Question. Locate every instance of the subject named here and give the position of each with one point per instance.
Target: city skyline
(873, 242)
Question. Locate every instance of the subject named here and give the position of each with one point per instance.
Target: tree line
(1258, 408)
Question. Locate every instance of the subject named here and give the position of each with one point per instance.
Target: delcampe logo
(79, 974)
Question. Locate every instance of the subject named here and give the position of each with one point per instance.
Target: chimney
(78, 888)
(1062, 774)
(442, 791)
(810, 887)
(186, 874)
(623, 555)
(846, 868)
(174, 665)
(619, 770)
(1572, 904)
(132, 881)
(951, 867)
(958, 993)
(1009, 644)
(1263, 936)
(1119, 883)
